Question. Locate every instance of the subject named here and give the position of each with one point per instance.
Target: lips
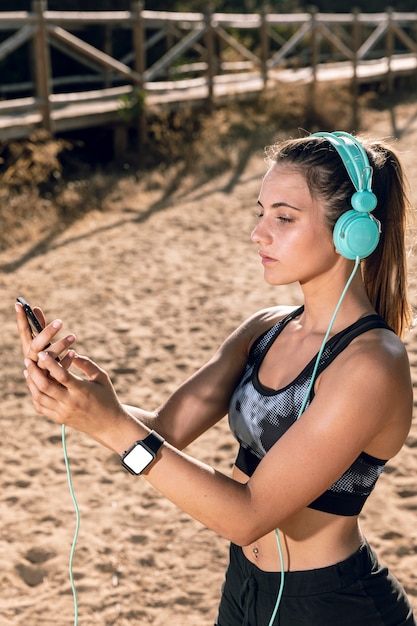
(266, 260)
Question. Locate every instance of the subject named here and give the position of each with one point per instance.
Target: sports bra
(259, 416)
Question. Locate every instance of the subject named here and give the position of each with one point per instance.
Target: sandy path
(151, 289)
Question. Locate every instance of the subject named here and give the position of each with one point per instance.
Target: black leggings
(355, 592)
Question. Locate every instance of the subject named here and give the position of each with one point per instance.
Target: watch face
(137, 459)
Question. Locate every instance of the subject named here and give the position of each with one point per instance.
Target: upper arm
(204, 398)
(363, 403)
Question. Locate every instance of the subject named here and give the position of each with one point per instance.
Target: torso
(311, 538)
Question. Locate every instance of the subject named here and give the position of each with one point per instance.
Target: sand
(150, 288)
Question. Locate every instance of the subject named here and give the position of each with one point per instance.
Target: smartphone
(34, 324)
(33, 321)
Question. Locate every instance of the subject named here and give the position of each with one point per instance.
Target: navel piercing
(255, 551)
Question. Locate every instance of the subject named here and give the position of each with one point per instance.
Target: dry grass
(46, 183)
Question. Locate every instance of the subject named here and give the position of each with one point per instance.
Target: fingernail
(41, 356)
(25, 373)
(26, 362)
(71, 338)
(57, 324)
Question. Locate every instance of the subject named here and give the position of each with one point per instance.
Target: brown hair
(385, 270)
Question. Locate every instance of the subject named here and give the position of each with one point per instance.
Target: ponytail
(385, 270)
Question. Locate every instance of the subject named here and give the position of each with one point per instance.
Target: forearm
(165, 425)
(90, 405)
(215, 500)
(148, 418)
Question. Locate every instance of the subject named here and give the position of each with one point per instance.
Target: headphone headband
(354, 158)
(356, 232)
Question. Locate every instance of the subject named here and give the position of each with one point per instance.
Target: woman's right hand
(87, 403)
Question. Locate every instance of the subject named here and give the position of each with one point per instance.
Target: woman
(319, 397)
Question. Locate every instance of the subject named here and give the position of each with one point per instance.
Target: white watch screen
(138, 458)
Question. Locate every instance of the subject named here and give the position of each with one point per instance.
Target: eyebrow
(277, 205)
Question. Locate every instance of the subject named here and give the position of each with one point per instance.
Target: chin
(278, 282)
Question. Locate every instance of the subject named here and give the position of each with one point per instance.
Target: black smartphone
(34, 324)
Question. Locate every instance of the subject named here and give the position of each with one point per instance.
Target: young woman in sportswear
(319, 396)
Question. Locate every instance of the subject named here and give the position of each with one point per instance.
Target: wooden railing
(165, 59)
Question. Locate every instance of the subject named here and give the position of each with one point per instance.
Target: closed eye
(281, 218)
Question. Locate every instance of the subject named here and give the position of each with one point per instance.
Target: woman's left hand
(31, 345)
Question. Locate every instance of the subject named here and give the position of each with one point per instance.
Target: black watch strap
(153, 441)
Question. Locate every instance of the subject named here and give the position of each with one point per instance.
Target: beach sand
(150, 288)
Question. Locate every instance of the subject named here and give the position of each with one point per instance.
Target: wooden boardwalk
(249, 73)
(19, 118)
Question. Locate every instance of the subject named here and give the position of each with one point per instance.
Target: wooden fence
(129, 62)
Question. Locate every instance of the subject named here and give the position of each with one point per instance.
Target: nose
(254, 235)
(260, 234)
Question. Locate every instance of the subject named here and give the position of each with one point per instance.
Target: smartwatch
(142, 453)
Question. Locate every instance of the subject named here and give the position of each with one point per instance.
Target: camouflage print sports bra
(259, 416)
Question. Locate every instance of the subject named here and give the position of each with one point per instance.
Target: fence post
(208, 18)
(355, 83)
(389, 49)
(42, 65)
(139, 43)
(315, 45)
(415, 38)
(264, 44)
(108, 49)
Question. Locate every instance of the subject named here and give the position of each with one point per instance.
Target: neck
(322, 301)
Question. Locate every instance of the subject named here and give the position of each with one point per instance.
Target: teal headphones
(356, 232)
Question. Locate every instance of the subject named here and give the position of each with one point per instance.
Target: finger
(66, 361)
(48, 363)
(45, 338)
(40, 315)
(23, 328)
(89, 368)
(42, 388)
(32, 345)
(58, 348)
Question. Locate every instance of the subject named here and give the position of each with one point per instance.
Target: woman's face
(294, 242)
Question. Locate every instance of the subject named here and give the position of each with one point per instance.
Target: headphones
(356, 232)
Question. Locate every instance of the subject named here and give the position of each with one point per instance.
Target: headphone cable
(302, 409)
(77, 524)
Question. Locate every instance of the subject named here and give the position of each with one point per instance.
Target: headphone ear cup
(356, 234)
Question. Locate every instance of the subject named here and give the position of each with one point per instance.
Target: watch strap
(153, 441)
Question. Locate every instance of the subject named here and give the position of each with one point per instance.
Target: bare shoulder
(238, 344)
(382, 350)
(263, 320)
(373, 376)
(379, 358)
(272, 315)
